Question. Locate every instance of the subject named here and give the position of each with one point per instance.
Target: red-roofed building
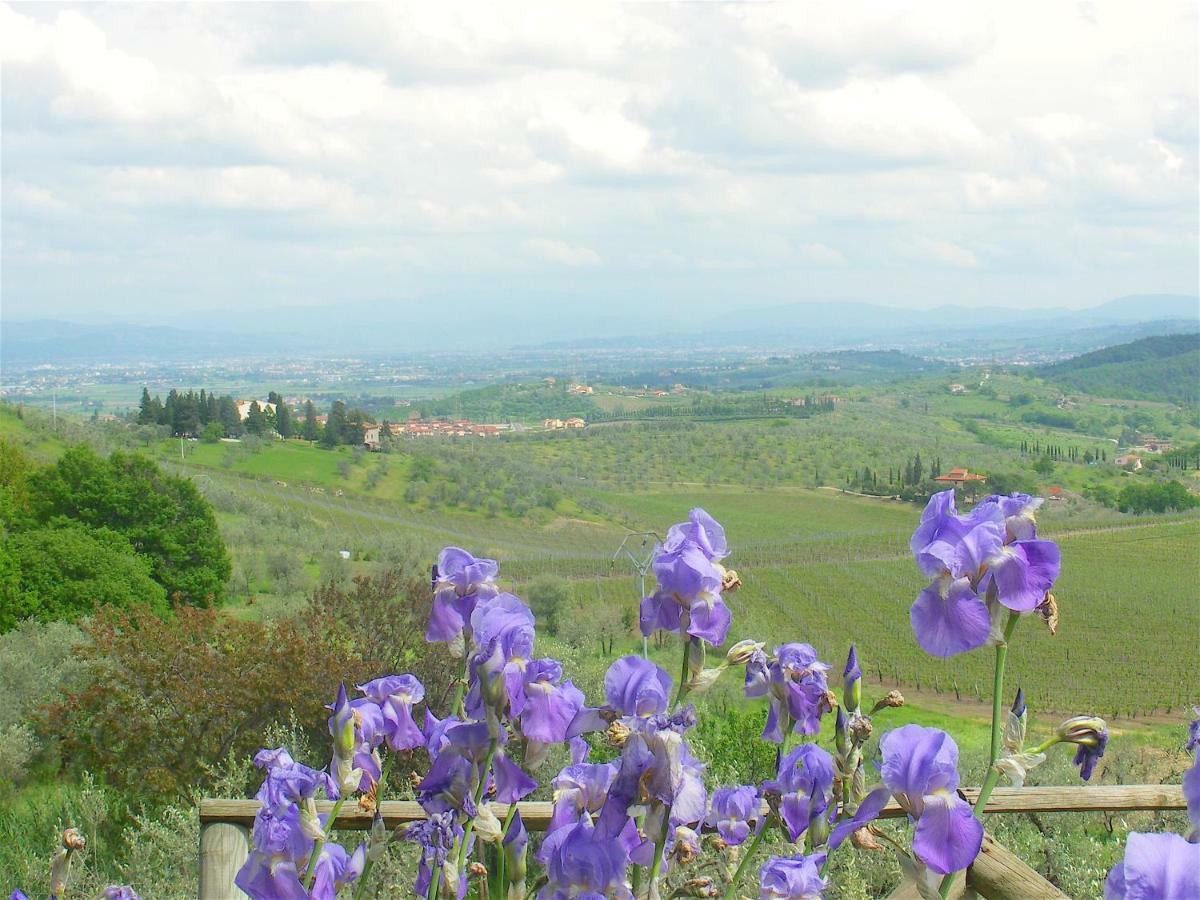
(958, 477)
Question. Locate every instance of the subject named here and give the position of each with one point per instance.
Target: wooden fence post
(223, 850)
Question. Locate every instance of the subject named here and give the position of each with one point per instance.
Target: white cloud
(563, 253)
(966, 148)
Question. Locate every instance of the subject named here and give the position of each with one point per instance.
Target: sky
(166, 163)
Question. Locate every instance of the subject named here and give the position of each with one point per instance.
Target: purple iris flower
(118, 892)
(545, 708)
(792, 877)
(805, 786)
(1155, 866)
(459, 582)
(948, 618)
(436, 836)
(335, 869)
(732, 811)
(688, 595)
(1193, 740)
(1191, 779)
(395, 695)
(18, 894)
(582, 863)
(796, 684)
(920, 767)
(434, 731)
(503, 632)
(961, 545)
(510, 780)
(514, 845)
(1019, 514)
(288, 785)
(265, 877)
(633, 688)
(1022, 573)
(579, 789)
(852, 673)
(449, 785)
(702, 530)
(278, 834)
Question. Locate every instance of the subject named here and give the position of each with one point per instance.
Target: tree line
(210, 416)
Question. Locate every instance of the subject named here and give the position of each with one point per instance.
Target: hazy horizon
(164, 164)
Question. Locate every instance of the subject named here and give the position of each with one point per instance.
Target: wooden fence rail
(996, 873)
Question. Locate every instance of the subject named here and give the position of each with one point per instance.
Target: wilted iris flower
(804, 784)
(459, 582)
(437, 837)
(794, 679)
(920, 768)
(733, 811)
(792, 877)
(1090, 735)
(702, 530)
(1155, 866)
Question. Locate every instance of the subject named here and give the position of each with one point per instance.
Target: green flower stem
(998, 687)
(502, 859)
(320, 843)
(993, 774)
(661, 842)
(461, 690)
(746, 857)
(461, 858)
(362, 879)
(681, 690)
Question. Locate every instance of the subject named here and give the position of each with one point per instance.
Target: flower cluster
(981, 564)
(619, 828)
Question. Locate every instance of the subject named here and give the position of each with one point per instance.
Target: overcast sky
(162, 159)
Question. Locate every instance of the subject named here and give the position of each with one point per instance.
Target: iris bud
(695, 657)
(852, 681)
(742, 652)
(310, 822)
(487, 826)
(839, 733)
(703, 680)
(1083, 730)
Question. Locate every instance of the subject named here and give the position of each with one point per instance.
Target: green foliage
(547, 596)
(68, 570)
(530, 402)
(1157, 497)
(163, 517)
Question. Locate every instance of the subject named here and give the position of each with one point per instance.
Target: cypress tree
(283, 419)
(256, 421)
(310, 421)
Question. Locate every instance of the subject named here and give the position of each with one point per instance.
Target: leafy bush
(1160, 497)
(64, 572)
(164, 518)
(548, 596)
(166, 700)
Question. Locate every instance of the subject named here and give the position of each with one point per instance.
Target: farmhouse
(371, 437)
(581, 389)
(958, 477)
(958, 388)
(243, 407)
(1129, 461)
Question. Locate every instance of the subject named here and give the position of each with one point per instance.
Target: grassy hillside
(1165, 367)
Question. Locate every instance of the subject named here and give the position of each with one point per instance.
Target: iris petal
(948, 836)
(949, 623)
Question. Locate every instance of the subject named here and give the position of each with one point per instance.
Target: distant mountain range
(449, 327)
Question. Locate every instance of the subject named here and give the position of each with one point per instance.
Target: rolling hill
(1164, 367)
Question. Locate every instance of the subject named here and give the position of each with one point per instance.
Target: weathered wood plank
(999, 874)
(223, 849)
(996, 874)
(1003, 800)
